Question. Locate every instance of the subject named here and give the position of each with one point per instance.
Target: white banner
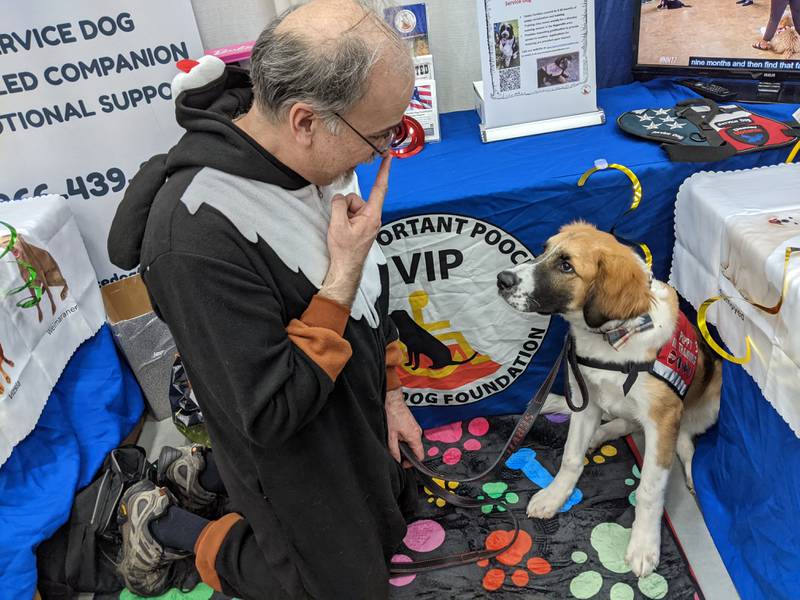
(85, 99)
(537, 60)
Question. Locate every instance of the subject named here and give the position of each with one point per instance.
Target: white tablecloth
(35, 350)
(731, 232)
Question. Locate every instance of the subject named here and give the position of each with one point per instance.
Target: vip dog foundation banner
(85, 99)
(538, 67)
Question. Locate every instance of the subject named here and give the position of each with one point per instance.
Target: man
(259, 254)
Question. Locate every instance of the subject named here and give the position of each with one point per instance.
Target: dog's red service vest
(676, 362)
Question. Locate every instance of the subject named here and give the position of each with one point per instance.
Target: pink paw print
(424, 535)
(451, 434)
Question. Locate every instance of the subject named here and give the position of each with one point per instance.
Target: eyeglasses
(391, 135)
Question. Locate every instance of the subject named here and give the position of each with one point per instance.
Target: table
(512, 196)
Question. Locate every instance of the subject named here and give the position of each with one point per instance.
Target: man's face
(378, 113)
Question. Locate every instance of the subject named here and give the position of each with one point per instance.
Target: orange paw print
(495, 577)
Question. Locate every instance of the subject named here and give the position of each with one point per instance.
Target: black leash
(523, 426)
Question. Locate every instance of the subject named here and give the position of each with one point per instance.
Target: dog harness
(675, 364)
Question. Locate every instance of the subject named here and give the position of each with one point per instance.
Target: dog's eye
(566, 267)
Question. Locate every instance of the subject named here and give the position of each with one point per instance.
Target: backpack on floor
(81, 555)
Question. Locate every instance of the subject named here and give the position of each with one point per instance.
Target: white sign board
(537, 61)
(85, 99)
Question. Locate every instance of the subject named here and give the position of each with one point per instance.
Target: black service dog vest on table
(700, 130)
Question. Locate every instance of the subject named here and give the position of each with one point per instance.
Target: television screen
(718, 35)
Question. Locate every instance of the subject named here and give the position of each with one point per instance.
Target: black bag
(81, 556)
(186, 413)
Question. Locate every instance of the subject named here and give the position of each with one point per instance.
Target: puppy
(618, 315)
(555, 73)
(508, 44)
(786, 40)
(48, 273)
(4, 360)
(672, 5)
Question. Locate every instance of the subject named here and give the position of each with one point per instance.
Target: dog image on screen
(507, 45)
(4, 360)
(420, 342)
(621, 321)
(672, 5)
(786, 40)
(48, 274)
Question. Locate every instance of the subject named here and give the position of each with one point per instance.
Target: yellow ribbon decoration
(601, 165)
(702, 323)
(793, 153)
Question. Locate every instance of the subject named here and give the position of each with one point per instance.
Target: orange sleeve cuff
(207, 547)
(394, 356)
(318, 333)
(322, 312)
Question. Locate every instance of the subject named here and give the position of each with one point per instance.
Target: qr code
(509, 79)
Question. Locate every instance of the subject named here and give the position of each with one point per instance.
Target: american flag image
(421, 98)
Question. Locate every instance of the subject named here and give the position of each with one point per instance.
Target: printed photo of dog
(506, 46)
(557, 70)
(48, 274)
(598, 284)
(4, 360)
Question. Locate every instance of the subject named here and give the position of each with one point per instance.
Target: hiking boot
(147, 566)
(179, 469)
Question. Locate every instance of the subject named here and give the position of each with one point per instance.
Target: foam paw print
(637, 474)
(605, 452)
(432, 498)
(610, 542)
(450, 436)
(497, 490)
(513, 558)
(424, 535)
(525, 460)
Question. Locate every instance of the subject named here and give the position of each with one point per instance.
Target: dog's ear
(621, 290)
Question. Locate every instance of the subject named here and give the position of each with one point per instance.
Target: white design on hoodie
(293, 223)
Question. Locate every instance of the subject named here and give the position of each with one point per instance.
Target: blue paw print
(525, 460)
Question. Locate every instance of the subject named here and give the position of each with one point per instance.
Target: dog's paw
(643, 554)
(546, 503)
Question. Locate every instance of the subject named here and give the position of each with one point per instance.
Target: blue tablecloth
(527, 188)
(94, 405)
(747, 475)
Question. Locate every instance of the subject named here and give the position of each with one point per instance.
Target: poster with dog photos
(537, 59)
(86, 99)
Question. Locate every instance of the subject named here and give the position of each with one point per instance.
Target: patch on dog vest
(676, 362)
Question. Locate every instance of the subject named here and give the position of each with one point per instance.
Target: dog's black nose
(506, 280)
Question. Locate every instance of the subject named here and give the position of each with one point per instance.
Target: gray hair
(332, 76)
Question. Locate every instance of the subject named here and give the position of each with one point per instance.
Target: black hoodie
(232, 248)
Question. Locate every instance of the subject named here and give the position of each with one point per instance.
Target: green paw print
(629, 481)
(497, 490)
(610, 541)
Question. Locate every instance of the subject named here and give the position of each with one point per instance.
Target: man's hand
(403, 427)
(351, 233)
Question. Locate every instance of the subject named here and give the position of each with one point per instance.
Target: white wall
(452, 29)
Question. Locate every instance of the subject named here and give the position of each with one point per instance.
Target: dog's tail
(463, 362)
